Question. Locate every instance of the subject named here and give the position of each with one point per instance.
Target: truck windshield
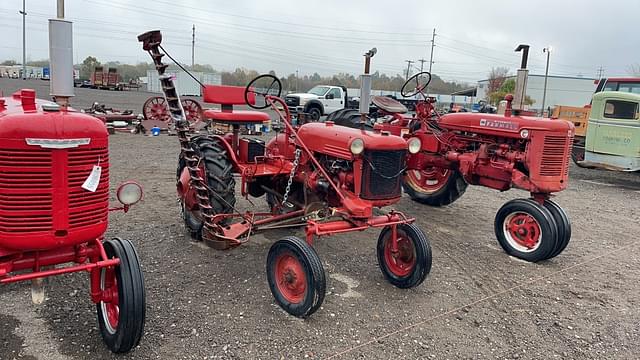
(319, 90)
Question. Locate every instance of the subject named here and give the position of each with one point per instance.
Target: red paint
(291, 278)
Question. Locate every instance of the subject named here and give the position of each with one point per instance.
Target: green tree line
(242, 76)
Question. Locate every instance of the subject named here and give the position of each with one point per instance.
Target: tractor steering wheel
(263, 86)
(421, 81)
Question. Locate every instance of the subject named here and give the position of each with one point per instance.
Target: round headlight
(524, 133)
(129, 193)
(357, 146)
(414, 145)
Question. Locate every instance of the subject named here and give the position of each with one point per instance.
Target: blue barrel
(155, 131)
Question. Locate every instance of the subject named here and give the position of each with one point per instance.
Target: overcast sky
(330, 36)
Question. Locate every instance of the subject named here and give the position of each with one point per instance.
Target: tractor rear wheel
(526, 230)
(296, 277)
(564, 226)
(411, 263)
(349, 118)
(218, 170)
(434, 186)
(121, 313)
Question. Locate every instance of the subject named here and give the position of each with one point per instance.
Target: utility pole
(409, 62)
(422, 61)
(296, 80)
(433, 44)
(24, 41)
(600, 72)
(546, 74)
(193, 46)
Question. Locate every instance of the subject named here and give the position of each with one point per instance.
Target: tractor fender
(314, 103)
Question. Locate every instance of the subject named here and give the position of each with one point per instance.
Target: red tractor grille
(87, 208)
(555, 159)
(25, 190)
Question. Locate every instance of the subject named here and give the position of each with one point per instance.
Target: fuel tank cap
(50, 107)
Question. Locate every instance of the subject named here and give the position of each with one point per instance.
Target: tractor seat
(237, 116)
(388, 104)
(227, 96)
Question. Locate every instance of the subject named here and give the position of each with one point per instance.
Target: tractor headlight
(129, 193)
(414, 145)
(524, 133)
(357, 146)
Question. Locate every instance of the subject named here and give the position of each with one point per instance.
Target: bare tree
(497, 76)
(634, 70)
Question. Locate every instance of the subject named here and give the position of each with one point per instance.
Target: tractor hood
(334, 140)
(24, 117)
(509, 126)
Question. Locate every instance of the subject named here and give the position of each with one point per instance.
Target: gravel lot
(477, 303)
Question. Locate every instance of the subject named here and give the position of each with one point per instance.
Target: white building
(185, 85)
(561, 90)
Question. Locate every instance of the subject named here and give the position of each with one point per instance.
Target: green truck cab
(613, 133)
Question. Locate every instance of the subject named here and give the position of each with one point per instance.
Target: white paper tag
(91, 184)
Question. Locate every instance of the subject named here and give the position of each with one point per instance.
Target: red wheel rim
(522, 231)
(402, 262)
(110, 303)
(192, 110)
(291, 278)
(156, 109)
(428, 180)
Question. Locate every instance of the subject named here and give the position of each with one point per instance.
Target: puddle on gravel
(11, 344)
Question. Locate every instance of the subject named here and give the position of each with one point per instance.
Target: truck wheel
(526, 230)
(314, 113)
(412, 263)
(296, 277)
(564, 226)
(121, 318)
(218, 171)
(434, 186)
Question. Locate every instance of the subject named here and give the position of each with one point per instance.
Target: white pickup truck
(320, 100)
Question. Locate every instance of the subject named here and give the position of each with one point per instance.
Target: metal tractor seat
(388, 104)
(227, 96)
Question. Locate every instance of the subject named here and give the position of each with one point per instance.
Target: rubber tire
(314, 113)
(219, 172)
(349, 118)
(453, 189)
(564, 227)
(423, 257)
(131, 295)
(545, 220)
(316, 281)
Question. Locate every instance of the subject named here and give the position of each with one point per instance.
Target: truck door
(617, 130)
(334, 100)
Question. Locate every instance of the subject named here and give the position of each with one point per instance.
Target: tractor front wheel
(526, 230)
(564, 226)
(434, 186)
(296, 277)
(409, 264)
(121, 312)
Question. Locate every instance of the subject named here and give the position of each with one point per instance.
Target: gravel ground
(477, 302)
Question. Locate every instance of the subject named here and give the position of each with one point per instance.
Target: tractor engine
(498, 151)
(46, 156)
(367, 165)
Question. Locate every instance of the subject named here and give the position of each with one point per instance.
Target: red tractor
(495, 151)
(54, 205)
(328, 178)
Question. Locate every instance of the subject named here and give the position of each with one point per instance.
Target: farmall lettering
(495, 124)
